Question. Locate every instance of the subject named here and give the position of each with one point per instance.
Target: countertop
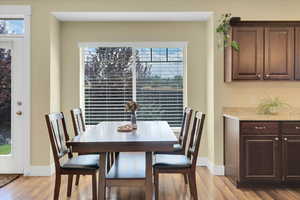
(250, 114)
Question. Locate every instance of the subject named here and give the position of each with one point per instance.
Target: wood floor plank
(172, 187)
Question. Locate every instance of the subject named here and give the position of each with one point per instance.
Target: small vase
(133, 120)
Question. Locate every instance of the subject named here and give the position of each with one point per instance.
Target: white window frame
(134, 46)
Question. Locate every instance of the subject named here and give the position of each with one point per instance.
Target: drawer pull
(297, 127)
(276, 138)
(285, 139)
(261, 127)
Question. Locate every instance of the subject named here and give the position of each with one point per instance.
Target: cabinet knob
(285, 139)
(258, 76)
(297, 127)
(267, 76)
(276, 138)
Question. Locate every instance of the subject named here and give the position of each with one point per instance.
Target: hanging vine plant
(223, 29)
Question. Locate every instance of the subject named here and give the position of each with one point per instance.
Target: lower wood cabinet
(291, 158)
(261, 156)
(262, 152)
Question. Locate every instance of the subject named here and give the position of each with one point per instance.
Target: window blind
(160, 91)
(151, 76)
(108, 83)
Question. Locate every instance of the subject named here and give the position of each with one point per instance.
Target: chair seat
(172, 161)
(90, 161)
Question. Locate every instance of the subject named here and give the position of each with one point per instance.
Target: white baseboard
(48, 170)
(217, 170)
(40, 170)
(202, 161)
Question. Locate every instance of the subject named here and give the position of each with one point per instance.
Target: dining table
(149, 137)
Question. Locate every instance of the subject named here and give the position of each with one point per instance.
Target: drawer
(259, 128)
(290, 128)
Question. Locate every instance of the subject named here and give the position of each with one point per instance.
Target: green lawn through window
(5, 149)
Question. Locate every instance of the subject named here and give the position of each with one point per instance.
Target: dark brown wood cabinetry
(261, 154)
(291, 158)
(248, 63)
(268, 51)
(279, 53)
(262, 151)
(297, 53)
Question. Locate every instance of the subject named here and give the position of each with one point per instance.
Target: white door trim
(12, 11)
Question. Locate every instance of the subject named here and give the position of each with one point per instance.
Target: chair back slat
(58, 135)
(196, 137)
(185, 126)
(78, 122)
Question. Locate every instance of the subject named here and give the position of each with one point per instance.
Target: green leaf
(219, 29)
(235, 45)
(224, 28)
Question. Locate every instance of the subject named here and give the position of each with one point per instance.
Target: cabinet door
(260, 158)
(279, 53)
(291, 158)
(247, 63)
(297, 53)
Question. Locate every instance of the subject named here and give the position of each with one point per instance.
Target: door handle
(19, 113)
(260, 127)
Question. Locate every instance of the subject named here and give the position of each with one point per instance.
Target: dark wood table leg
(149, 177)
(102, 174)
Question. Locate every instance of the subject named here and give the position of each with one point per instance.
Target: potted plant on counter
(271, 106)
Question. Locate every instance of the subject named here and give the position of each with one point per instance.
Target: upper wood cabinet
(248, 63)
(268, 51)
(297, 53)
(279, 53)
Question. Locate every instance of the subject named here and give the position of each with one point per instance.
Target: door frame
(13, 11)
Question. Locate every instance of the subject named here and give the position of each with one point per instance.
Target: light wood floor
(172, 187)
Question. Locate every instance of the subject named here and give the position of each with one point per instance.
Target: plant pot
(133, 120)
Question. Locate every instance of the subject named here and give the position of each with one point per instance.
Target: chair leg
(193, 186)
(156, 184)
(94, 186)
(117, 154)
(77, 179)
(185, 178)
(70, 183)
(108, 162)
(112, 159)
(57, 186)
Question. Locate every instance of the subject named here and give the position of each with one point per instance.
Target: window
(12, 26)
(151, 76)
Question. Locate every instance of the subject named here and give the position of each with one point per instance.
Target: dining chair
(180, 148)
(65, 162)
(182, 164)
(78, 121)
(79, 128)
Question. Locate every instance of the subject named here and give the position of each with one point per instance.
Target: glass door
(11, 138)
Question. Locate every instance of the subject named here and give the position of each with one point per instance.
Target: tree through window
(151, 76)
